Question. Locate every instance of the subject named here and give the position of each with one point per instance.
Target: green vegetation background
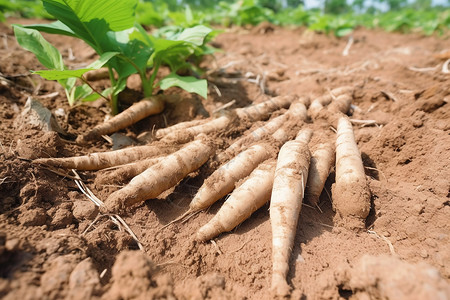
(334, 16)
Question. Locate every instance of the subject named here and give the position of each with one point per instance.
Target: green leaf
(54, 28)
(33, 41)
(91, 20)
(194, 35)
(68, 84)
(61, 74)
(340, 32)
(187, 83)
(102, 60)
(83, 91)
(65, 74)
(134, 51)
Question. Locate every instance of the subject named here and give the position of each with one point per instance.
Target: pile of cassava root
(273, 163)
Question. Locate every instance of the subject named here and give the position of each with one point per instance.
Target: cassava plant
(123, 46)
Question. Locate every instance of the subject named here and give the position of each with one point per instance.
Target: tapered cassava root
(341, 105)
(184, 135)
(160, 133)
(103, 160)
(162, 175)
(124, 173)
(136, 112)
(322, 160)
(297, 111)
(246, 199)
(263, 110)
(286, 201)
(350, 193)
(255, 112)
(223, 180)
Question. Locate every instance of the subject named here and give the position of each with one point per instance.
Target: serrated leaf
(32, 40)
(187, 83)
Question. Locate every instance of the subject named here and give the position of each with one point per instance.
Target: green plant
(110, 28)
(22, 8)
(340, 26)
(243, 12)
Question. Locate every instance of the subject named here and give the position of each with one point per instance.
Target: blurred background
(338, 17)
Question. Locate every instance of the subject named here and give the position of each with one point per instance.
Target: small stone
(121, 141)
(424, 253)
(145, 137)
(37, 116)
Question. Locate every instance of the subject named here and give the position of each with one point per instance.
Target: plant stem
(93, 89)
(147, 88)
(113, 96)
(154, 73)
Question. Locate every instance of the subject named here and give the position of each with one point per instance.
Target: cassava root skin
(136, 112)
(160, 133)
(286, 201)
(255, 112)
(246, 199)
(350, 193)
(319, 103)
(334, 93)
(297, 111)
(322, 160)
(339, 106)
(223, 180)
(124, 173)
(263, 110)
(213, 125)
(103, 160)
(161, 176)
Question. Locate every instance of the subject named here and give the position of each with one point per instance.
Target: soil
(53, 247)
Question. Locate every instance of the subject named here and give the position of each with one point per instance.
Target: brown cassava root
(246, 199)
(255, 112)
(136, 112)
(287, 194)
(184, 135)
(125, 173)
(297, 111)
(322, 160)
(161, 176)
(103, 160)
(223, 180)
(351, 195)
(160, 133)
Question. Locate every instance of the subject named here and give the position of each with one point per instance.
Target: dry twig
(116, 219)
